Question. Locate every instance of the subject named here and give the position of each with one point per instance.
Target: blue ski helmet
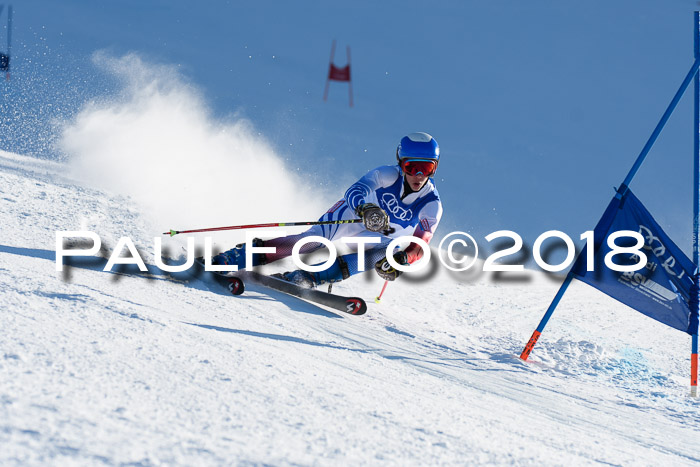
(418, 146)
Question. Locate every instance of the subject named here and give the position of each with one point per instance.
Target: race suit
(410, 214)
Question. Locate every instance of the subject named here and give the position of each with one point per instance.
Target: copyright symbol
(463, 239)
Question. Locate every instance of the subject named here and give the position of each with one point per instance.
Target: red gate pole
(349, 78)
(328, 79)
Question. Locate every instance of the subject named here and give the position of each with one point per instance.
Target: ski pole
(172, 233)
(379, 297)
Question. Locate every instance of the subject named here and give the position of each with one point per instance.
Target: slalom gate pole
(694, 367)
(620, 192)
(172, 233)
(660, 126)
(9, 41)
(543, 322)
(379, 297)
(694, 302)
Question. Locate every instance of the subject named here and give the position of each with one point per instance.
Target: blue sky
(540, 107)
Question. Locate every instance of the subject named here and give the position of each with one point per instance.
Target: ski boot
(310, 280)
(301, 278)
(236, 256)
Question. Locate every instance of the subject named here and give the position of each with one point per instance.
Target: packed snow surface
(124, 367)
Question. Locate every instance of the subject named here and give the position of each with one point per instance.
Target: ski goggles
(425, 167)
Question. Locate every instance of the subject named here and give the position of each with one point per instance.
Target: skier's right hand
(386, 271)
(374, 217)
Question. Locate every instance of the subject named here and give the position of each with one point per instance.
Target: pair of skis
(236, 285)
(236, 281)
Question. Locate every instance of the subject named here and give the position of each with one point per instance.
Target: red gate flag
(338, 74)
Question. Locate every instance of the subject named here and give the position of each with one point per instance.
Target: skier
(392, 201)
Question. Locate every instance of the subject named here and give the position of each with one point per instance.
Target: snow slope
(101, 368)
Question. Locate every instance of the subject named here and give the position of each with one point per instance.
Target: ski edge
(351, 305)
(235, 283)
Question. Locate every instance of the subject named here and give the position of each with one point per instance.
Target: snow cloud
(157, 143)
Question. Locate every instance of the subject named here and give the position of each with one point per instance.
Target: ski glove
(374, 217)
(386, 270)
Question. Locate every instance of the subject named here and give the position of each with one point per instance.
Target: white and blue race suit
(410, 214)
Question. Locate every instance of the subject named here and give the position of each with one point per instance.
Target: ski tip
(236, 286)
(355, 306)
